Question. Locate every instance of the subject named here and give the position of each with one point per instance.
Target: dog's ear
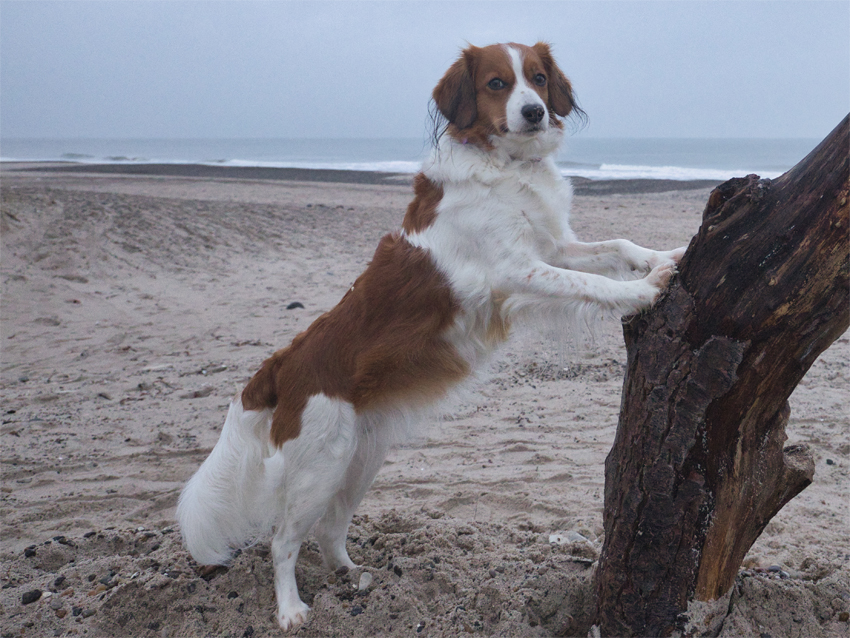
(454, 94)
(561, 99)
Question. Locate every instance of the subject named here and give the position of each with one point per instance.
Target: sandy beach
(136, 304)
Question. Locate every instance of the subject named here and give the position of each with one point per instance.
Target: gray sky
(178, 69)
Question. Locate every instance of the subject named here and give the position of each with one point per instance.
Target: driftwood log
(698, 468)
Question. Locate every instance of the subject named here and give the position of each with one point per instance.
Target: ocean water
(593, 158)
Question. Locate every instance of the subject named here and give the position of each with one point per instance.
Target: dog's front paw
(292, 616)
(676, 255)
(649, 289)
(662, 257)
(659, 278)
(653, 285)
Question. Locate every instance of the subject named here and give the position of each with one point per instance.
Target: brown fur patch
(422, 211)
(382, 343)
(454, 94)
(559, 96)
(473, 110)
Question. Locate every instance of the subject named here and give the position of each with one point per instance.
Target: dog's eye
(540, 79)
(496, 84)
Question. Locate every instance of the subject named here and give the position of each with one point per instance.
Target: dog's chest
(536, 206)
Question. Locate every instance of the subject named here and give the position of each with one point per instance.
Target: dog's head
(505, 92)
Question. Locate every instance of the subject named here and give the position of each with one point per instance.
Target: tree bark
(698, 468)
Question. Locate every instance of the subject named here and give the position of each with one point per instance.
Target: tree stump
(698, 468)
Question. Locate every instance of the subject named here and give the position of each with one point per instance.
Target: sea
(593, 158)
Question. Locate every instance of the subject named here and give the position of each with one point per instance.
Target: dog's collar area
(534, 159)
(501, 157)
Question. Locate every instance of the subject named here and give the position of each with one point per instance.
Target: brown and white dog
(485, 243)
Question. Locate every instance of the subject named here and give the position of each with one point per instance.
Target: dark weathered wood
(698, 468)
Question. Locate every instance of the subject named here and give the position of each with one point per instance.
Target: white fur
(521, 95)
(502, 239)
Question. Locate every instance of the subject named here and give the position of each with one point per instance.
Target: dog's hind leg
(332, 529)
(311, 470)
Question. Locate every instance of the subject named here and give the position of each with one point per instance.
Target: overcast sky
(179, 69)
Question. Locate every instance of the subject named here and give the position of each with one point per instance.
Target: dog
(485, 243)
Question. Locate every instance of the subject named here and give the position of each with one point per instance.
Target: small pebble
(29, 552)
(88, 613)
(365, 581)
(294, 305)
(830, 462)
(567, 537)
(356, 610)
(31, 596)
(61, 613)
(844, 616)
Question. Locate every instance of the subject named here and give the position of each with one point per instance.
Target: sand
(135, 306)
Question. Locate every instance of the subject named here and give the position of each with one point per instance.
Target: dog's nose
(533, 113)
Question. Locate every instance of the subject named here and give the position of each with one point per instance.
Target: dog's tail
(221, 507)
